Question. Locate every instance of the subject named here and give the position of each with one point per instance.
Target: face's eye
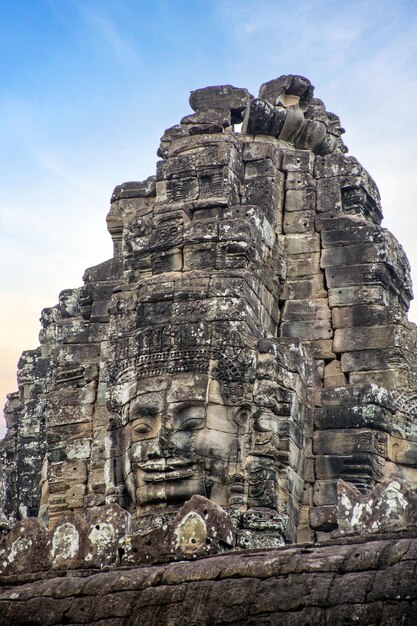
(191, 423)
(191, 417)
(142, 429)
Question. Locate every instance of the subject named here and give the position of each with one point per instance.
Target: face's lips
(161, 465)
(156, 477)
(167, 469)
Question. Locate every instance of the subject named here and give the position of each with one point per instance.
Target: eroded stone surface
(390, 506)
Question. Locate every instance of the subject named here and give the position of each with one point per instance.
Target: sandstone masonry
(240, 375)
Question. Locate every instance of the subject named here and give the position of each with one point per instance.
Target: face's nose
(163, 446)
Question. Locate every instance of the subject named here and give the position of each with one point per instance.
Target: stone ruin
(240, 375)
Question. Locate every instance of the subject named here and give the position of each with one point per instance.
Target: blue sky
(88, 86)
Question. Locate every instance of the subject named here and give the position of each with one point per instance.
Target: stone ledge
(349, 580)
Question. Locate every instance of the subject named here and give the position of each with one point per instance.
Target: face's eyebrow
(145, 410)
(182, 407)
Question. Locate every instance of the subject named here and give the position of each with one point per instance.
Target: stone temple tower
(245, 354)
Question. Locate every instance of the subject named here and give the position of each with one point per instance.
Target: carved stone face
(182, 439)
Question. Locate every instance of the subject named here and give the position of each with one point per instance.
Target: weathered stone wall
(366, 583)
(23, 450)
(60, 409)
(248, 342)
(241, 374)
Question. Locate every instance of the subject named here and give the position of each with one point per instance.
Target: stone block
(365, 360)
(333, 375)
(169, 137)
(349, 441)
(299, 200)
(223, 97)
(24, 546)
(262, 118)
(337, 165)
(74, 496)
(200, 256)
(181, 189)
(363, 274)
(209, 121)
(390, 506)
(302, 244)
(67, 542)
(370, 337)
(372, 416)
(109, 613)
(143, 189)
(81, 353)
(275, 89)
(308, 330)
(329, 197)
(325, 492)
(108, 270)
(402, 452)
(306, 310)
(390, 378)
(367, 315)
(298, 161)
(70, 396)
(299, 222)
(197, 143)
(360, 294)
(216, 182)
(220, 154)
(73, 434)
(321, 348)
(311, 287)
(353, 235)
(323, 518)
(335, 220)
(259, 150)
(303, 265)
(304, 533)
(93, 500)
(266, 193)
(78, 449)
(359, 468)
(67, 415)
(358, 396)
(74, 472)
(178, 167)
(358, 198)
(353, 593)
(300, 181)
(352, 255)
(163, 192)
(293, 120)
(261, 167)
(199, 528)
(168, 261)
